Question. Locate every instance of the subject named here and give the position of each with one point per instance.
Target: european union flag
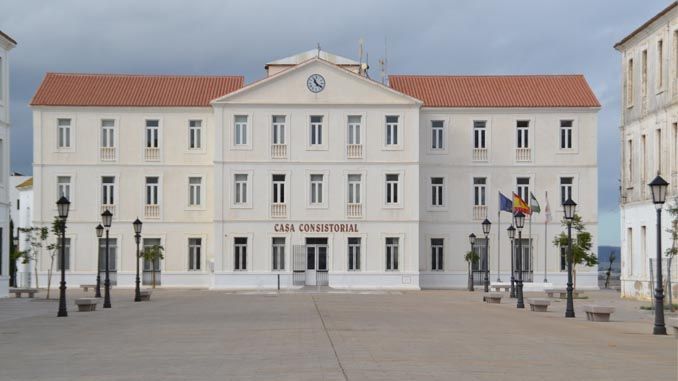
(505, 203)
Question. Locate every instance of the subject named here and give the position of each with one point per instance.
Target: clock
(315, 83)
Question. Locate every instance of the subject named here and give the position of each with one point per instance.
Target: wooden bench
(673, 323)
(86, 287)
(86, 304)
(18, 292)
(145, 295)
(499, 287)
(598, 313)
(492, 297)
(562, 293)
(539, 305)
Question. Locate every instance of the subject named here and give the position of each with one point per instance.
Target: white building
(6, 44)
(19, 211)
(649, 138)
(314, 175)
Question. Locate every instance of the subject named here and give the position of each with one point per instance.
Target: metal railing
(479, 212)
(109, 207)
(523, 154)
(279, 151)
(152, 154)
(152, 211)
(354, 151)
(480, 154)
(354, 210)
(107, 153)
(278, 210)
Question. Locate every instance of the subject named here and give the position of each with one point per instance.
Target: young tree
(53, 251)
(582, 241)
(471, 257)
(673, 250)
(151, 254)
(35, 238)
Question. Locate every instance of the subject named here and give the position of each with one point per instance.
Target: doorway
(316, 262)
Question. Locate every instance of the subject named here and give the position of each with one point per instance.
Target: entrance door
(316, 262)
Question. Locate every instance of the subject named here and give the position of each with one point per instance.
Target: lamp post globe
(472, 239)
(62, 208)
(569, 210)
(100, 233)
(107, 219)
(512, 234)
(137, 238)
(658, 186)
(486, 230)
(519, 222)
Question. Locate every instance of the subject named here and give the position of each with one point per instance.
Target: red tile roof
(122, 90)
(497, 91)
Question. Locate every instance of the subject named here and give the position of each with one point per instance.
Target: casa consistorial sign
(316, 228)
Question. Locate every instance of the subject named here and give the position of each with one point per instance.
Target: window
(643, 157)
(437, 184)
(392, 181)
(354, 253)
(479, 132)
(1, 80)
(278, 253)
(194, 191)
(629, 250)
(112, 254)
(195, 134)
(565, 134)
(278, 132)
(64, 187)
(392, 130)
(354, 189)
(67, 255)
(563, 258)
(108, 190)
(354, 129)
(436, 254)
(151, 191)
(240, 188)
(108, 133)
(565, 189)
(660, 64)
(152, 130)
(194, 253)
(278, 189)
(479, 184)
(392, 245)
(523, 188)
(437, 129)
(629, 158)
(317, 189)
(316, 133)
(629, 83)
(151, 268)
(523, 134)
(658, 151)
(240, 130)
(240, 253)
(18, 204)
(674, 127)
(643, 74)
(63, 133)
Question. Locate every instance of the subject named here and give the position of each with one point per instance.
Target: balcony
(279, 151)
(354, 210)
(109, 207)
(278, 210)
(107, 153)
(480, 154)
(523, 154)
(152, 211)
(354, 151)
(152, 154)
(479, 212)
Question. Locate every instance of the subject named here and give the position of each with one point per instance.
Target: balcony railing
(107, 153)
(479, 212)
(480, 154)
(152, 154)
(110, 207)
(523, 154)
(152, 211)
(354, 210)
(354, 151)
(279, 210)
(279, 151)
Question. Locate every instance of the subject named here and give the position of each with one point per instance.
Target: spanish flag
(520, 206)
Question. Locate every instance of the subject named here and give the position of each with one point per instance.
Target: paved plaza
(432, 335)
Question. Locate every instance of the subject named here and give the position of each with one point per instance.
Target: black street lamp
(658, 187)
(62, 207)
(107, 218)
(512, 234)
(486, 230)
(100, 233)
(569, 208)
(137, 238)
(472, 241)
(519, 222)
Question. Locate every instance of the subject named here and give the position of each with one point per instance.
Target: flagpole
(530, 232)
(546, 235)
(498, 244)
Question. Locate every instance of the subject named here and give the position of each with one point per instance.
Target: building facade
(313, 175)
(649, 140)
(6, 44)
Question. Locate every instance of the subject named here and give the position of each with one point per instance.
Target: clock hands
(316, 82)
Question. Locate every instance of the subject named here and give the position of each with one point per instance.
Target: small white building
(649, 140)
(17, 212)
(313, 175)
(6, 44)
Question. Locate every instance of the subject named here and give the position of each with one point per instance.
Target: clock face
(315, 83)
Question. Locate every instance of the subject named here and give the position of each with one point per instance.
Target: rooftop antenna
(367, 64)
(318, 55)
(383, 64)
(360, 54)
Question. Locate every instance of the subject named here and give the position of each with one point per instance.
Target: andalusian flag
(519, 205)
(534, 204)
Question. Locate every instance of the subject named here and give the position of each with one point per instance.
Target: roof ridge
(145, 75)
(487, 75)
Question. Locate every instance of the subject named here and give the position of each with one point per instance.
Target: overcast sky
(423, 37)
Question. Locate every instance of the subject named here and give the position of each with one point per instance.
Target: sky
(420, 37)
